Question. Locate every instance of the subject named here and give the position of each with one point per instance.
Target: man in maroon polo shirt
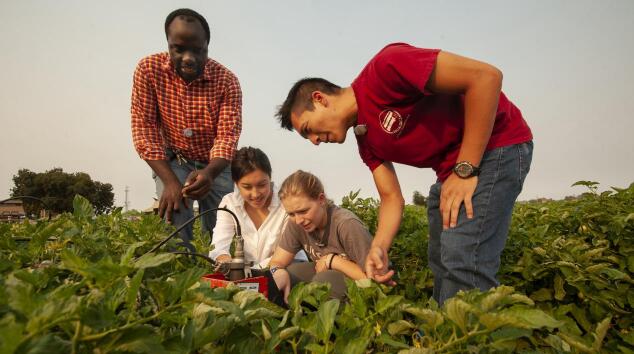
(428, 108)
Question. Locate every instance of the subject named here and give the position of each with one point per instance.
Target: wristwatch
(274, 269)
(464, 169)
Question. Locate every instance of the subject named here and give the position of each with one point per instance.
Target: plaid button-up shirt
(201, 120)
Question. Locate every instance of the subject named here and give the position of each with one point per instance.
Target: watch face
(463, 170)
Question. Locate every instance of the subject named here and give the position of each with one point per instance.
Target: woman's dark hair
(247, 160)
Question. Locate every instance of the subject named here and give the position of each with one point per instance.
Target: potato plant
(84, 284)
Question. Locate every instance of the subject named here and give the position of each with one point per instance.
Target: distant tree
(419, 199)
(58, 188)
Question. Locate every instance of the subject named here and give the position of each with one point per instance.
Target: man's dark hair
(299, 97)
(189, 15)
(247, 160)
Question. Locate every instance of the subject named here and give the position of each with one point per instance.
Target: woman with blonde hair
(257, 206)
(334, 239)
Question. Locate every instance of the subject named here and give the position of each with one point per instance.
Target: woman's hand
(323, 262)
(283, 282)
(223, 258)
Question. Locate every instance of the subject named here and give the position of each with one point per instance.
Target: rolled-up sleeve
(229, 121)
(145, 130)
(223, 231)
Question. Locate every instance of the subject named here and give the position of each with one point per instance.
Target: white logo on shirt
(391, 121)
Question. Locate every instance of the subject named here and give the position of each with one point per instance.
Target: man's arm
(199, 183)
(147, 139)
(481, 84)
(227, 134)
(390, 214)
(172, 196)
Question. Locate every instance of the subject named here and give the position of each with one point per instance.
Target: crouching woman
(255, 204)
(334, 239)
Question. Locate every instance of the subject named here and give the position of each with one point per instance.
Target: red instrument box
(259, 284)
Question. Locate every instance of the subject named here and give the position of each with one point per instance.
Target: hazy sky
(67, 73)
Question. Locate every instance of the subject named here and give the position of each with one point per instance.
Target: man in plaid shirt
(186, 121)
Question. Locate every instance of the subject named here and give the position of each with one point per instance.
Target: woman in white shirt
(257, 206)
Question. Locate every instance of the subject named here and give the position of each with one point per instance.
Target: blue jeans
(222, 185)
(468, 255)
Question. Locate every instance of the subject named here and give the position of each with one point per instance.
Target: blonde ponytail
(301, 183)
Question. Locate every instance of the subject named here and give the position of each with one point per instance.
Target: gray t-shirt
(347, 237)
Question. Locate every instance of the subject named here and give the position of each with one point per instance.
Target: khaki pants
(305, 272)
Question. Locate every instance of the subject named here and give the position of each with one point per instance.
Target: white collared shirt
(259, 244)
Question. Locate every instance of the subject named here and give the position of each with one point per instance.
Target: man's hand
(170, 200)
(197, 185)
(453, 193)
(283, 282)
(376, 266)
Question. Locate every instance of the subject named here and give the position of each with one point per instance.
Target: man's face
(324, 124)
(187, 47)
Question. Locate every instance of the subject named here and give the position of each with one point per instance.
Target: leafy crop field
(78, 284)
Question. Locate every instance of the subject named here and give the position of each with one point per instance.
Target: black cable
(197, 255)
(235, 218)
(46, 207)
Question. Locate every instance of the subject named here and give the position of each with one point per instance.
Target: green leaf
(47, 344)
(600, 332)
(615, 274)
(510, 333)
(630, 263)
(266, 333)
(184, 281)
(558, 285)
(399, 327)
(141, 339)
(356, 300)
(628, 337)
(153, 260)
(313, 293)
(387, 303)
(588, 184)
(187, 336)
(493, 321)
(543, 294)
(386, 340)
(557, 343)
(82, 207)
(457, 311)
(315, 348)
(363, 283)
(625, 350)
(75, 263)
(355, 345)
(289, 332)
(126, 259)
(133, 289)
(579, 314)
(533, 318)
(431, 317)
(575, 342)
(217, 330)
(10, 333)
(326, 318)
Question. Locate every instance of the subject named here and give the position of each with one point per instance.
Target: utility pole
(126, 197)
